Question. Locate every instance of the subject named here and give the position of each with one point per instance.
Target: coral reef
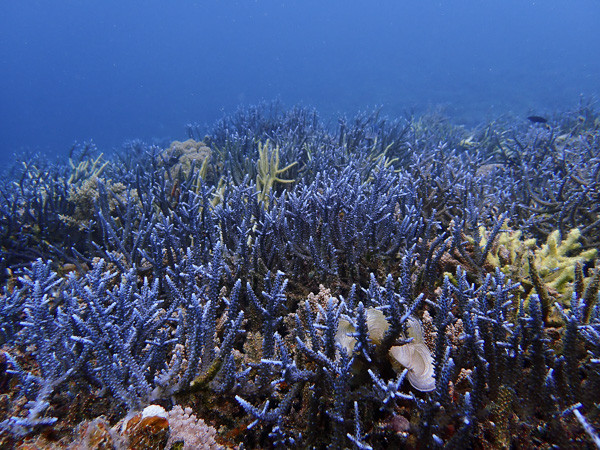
(418, 285)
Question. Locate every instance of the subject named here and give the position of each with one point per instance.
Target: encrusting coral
(192, 432)
(180, 156)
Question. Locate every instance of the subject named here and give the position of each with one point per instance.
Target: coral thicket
(280, 283)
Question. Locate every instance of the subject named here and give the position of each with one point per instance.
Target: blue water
(109, 70)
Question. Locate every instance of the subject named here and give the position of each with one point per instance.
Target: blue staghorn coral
(278, 320)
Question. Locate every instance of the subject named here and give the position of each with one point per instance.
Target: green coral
(509, 251)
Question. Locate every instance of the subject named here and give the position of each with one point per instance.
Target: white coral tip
(154, 411)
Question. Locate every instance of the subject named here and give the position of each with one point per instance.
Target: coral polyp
(278, 283)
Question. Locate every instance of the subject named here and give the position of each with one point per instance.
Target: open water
(109, 71)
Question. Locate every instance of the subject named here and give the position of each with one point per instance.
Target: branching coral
(268, 170)
(550, 269)
(193, 287)
(556, 260)
(87, 169)
(84, 198)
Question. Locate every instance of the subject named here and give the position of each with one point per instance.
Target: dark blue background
(113, 70)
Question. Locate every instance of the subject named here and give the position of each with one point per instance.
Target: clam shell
(414, 329)
(417, 359)
(341, 336)
(377, 325)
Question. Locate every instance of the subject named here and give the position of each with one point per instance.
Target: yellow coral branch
(268, 170)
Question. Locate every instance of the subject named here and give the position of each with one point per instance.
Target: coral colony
(280, 283)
